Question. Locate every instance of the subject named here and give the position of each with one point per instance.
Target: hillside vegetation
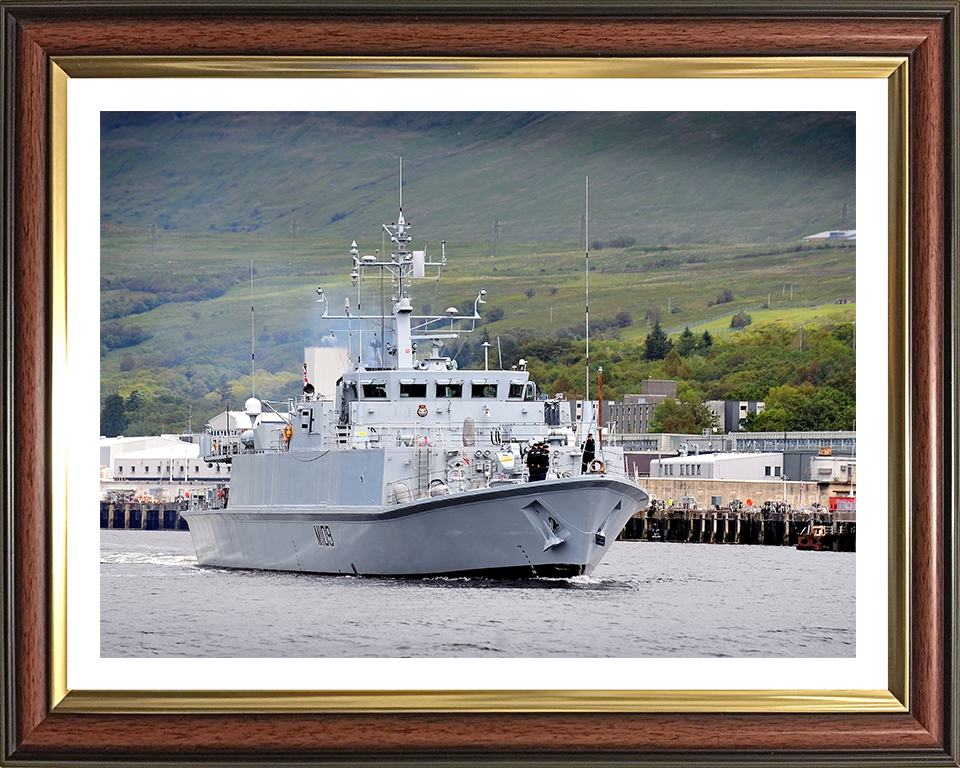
(694, 219)
(660, 178)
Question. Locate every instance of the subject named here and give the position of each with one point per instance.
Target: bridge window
(375, 390)
(413, 390)
(483, 390)
(450, 390)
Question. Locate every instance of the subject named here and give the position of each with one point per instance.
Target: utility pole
(496, 237)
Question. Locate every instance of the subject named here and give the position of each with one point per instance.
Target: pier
(147, 516)
(771, 524)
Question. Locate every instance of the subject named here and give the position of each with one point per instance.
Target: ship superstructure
(413, 466)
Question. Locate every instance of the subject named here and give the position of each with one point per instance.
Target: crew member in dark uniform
(589, 452)
(538, 459)
(544, 461)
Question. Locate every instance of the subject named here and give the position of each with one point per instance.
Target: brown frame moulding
(926, 733)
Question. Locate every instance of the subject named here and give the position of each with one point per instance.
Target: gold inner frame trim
(893, 69)
(58, 381)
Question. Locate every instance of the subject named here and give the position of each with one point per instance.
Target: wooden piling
(773, 524)
(143, 516)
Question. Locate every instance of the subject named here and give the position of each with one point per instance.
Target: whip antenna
(253, 341)
(586, 312)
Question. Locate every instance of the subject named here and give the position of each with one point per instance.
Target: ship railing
(407, 434)
(431, 481)
(221, 447)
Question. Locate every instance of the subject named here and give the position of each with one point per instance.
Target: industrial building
(832, 234)
(720, 466)
(634, 413)
(730, 413)
(166, 467)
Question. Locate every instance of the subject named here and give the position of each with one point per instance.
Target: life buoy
(422, 440)
(596, 465)
(422, 410)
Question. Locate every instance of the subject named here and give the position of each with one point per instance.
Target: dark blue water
(645, 600)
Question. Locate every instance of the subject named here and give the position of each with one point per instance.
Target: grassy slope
(285, 299)
(660, 178)
(714, 202)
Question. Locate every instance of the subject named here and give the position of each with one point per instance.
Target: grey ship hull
(559, 527)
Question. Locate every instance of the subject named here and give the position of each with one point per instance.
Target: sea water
(645, 600)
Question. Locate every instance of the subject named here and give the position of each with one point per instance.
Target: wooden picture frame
(40, 727)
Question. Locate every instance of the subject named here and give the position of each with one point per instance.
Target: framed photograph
(908, 48)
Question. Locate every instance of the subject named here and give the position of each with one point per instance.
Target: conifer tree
(687, 343)
(656, 346)
(113, 417)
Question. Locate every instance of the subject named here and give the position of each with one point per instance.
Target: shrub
(494, 313)
(725, 297)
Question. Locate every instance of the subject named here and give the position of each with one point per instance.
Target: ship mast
(403, 261)
(402, 266)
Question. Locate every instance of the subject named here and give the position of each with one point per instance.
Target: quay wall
(773, 518)
(798, 494)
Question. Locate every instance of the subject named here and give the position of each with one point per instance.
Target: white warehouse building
(163, 468)
(720, 466)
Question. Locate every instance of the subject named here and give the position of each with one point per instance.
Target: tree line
(149, 291)
(808, 386)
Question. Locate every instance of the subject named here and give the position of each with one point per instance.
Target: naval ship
(413, 467)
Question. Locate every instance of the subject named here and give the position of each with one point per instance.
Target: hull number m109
(324, 536)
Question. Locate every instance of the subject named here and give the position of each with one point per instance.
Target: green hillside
(693, 218)
(657, 177)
